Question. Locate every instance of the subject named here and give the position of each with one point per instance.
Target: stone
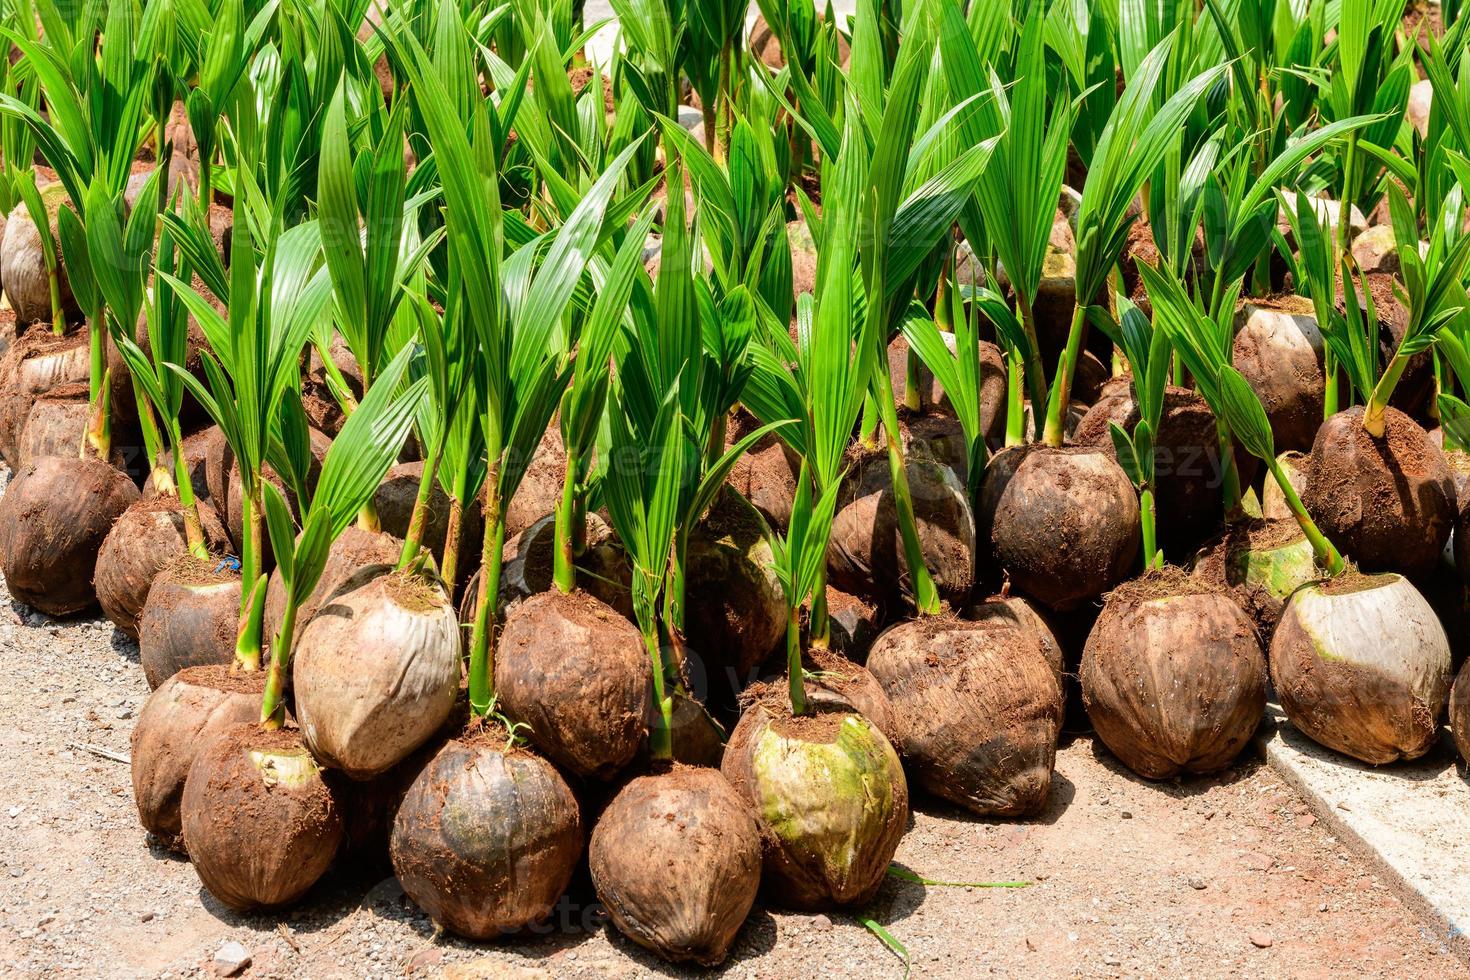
(231, 959)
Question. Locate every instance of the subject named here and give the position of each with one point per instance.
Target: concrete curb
(1411, 820)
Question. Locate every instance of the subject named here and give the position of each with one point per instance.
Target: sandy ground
(1206, 877)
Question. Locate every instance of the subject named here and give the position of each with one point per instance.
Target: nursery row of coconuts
(497, 475)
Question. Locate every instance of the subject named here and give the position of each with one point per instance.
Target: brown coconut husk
(689, 905)
(836, 683)
(1173, 676)
(54, 516)
(1460, 712)
(375, 672)
(1020, 613)
(865, 555)
(576, 672)
(527, 566)
(766, 474)
(734, 608)
(1187, 460)
(1388, 503)
(540, 489)
(57, 424)
(854, 623)
(144, 539)
(487, 837)
(191, 617)
(1062, 523)
(354, 552)
(830, 797)
(1279, 351)
(23, 262)
(979, 709)
(186, 712)
(260, 824)
(394, 501)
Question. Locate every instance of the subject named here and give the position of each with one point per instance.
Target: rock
(1258, 862)
(1197, 883)
(1421, 96)
(690, 118)
(821, 923)
(1260, 940)
(1304, 821)
(1327, 210)
(231, 959)
(1377, 250)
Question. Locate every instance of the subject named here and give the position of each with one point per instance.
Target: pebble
(1197, 883)
(1304, 821)
(1127, 814)
(1260, 940)
(231, 959)
(1111, 960)
(1258, 862)
(821, 923)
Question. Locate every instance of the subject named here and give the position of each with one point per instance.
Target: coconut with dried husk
(1063, 523)
(1362, 665)
(540, 488)
(530, 565)
(1020, 613)
(576, 673)
(186, 712)
(145, 538)
(1187, 464)
(259, 822)
(191, 617)
(766, 474)
(57, 423)
(396, 499)
(1387, 497)
(325, 381)
(1261, 563)
(734, 611)
(25, 267)
(689, 905)
(37, 363)
(854, 624)
(834, 683)
(54, 516)
(202, 451)
(1278, 347)
(979, 709)
(488, 835)
(866, 556)
(1173, 676)
(375, 671)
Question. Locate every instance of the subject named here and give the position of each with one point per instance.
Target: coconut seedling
(259, 822)
(691, 906)
(1360, 661)
(1063, 521)
(1376, 483)
(783, 739)
(488, 835)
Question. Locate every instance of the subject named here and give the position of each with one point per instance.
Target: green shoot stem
(563, 568)
(184, 486)
(1229, 475)
(252, 625)
(53, 283)
(795, 682)
(1330, 405)
(272, 707)
(912, 400)
(1056, 414)
(414, 539)
(1147, 519)
(482, 665)
(249, 545)
(1327, 557)
(1015, 401)
(926, 596)
(819, 625)
(1373, 419)
(661, 738)
(1033, 374)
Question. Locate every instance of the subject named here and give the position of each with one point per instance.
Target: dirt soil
(1225, 876)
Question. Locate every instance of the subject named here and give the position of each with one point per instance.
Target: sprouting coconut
(1062, 522)
(183, 714)
(191, 617)
(354, 552)
(866, 554)
(145, 538)
(979, 709)
(54, 516)
(1362, 665)
(487, 837)
(530, 566)
(259, 822)
(576, 672)
(1261, 563)
(689, 904)
(1173, 676)
(1186, 451)
(1381, 489)
(734, 611)
(375, 672)
(395, 501)
(830, 796)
